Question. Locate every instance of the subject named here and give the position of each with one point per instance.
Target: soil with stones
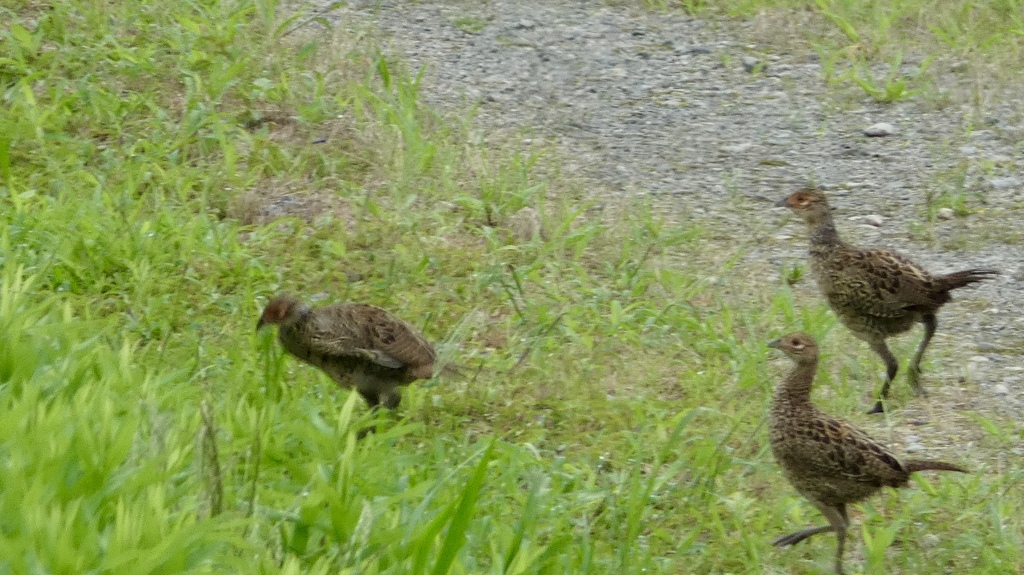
(718, 128)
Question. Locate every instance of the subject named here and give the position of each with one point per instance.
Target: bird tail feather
(966, 277)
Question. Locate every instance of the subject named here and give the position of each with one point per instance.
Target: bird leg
(371, 396)
(930, 323)
(372, 400)
(838, 522)
(390, 397)
(891, 367)
(377, 396)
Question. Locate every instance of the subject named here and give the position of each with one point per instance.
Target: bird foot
(878, 408)
(914, 379)
(792, 538)
(786, 540)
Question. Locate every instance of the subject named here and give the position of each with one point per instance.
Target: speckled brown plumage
(829, 461)
(357, 345)
(876, 293)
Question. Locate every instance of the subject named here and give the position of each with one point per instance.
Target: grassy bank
(167, 166)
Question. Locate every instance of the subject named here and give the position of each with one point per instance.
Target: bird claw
(878, 408)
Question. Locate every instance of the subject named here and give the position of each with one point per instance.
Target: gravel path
(717, 128)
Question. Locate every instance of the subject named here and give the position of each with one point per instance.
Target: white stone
(737, 148)
(1000, 389)
(874, 220)
(945, 213)
(750, 63)
(1004, 183)
(880, 129)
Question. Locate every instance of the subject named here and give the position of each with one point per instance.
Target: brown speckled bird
(876, 293)
(357, 345)
(829, 461)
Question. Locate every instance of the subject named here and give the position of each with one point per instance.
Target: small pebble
(930, 540)
(525, 225)
(1004, 183)
(1000, 389)
(737, 148)
(874, 220)
(880, 129)
(751, 63)
(915, 448)
(945, 213)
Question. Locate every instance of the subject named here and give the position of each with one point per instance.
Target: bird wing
(370, 333)
(881, 283)
(852, 454)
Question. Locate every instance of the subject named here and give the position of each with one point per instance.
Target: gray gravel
(716, 128)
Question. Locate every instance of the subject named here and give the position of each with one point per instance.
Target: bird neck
(795, 389)
(823, 231)
(300, 315)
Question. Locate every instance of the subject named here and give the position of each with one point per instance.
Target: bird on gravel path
(876, 293)
(829, 461)
(357, 345)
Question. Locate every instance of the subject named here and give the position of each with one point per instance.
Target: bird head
(798, 346)
(810, 203)
(283, 309)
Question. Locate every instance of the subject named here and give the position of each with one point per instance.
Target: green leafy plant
(894, 86)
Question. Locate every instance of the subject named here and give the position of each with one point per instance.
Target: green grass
(865, 43)
(613, 418)
(469, 24)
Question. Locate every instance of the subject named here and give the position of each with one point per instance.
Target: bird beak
(260, 324)
(783, 203)
(775, 343)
